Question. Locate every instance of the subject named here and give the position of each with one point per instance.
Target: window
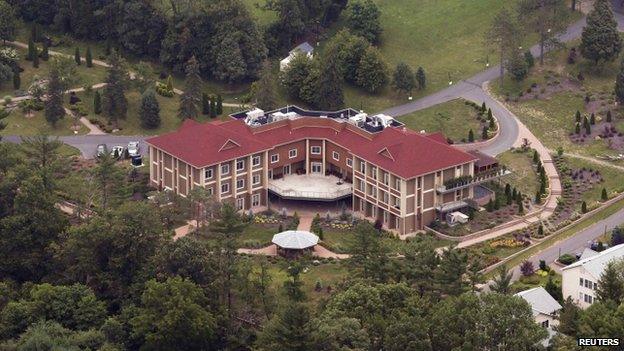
(386, 178)
(274, 158)
(240, 165)
(336, 156)
(255, 161)
(292, 153)
(225, 169)
(580, 296)
(255, 179)
(255, 200)
(588, 298)
(397, 202)
(209, 190)
(374, 172)
(240, 203)
(315, 150)
(588, 284)
(363, 167)
(240, 183)
(397, 183)
(385, 217)
(361, 185)
(595, 286)
(225, 188)
(581, 282)
(545, 324)
(208, 173)
(350, 162)
(317, 167)
(385, 197)
(286, 169)
(373, 191)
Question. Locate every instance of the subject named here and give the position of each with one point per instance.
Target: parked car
(117, 151)
(101, 150)
(133, 148)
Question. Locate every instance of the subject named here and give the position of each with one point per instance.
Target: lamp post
(450, 81)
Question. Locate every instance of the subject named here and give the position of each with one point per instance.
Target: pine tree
(372, 72)
(611, 283)
(328, 87)
(114, 102)
(213, 107)
(17, 81)
(586, 125)
(205, 104)
(553, 289)
(219, 105)
(540, 230)
(600, 40)
(619, 85)
(89, 57)
(97, 103)
(584, 207)
(190, 99)
(520, 205)
(604, 196)
(264, 88)
(77, 56)
(470, 136)
(592, 119)
(577, 128)
(169, 83)
(492, 125)
(149, 112)
(507, 190)
(35, 60)
(609, 118)
(501, 283)
(31, 50)
(569, 317)
(45, 54)
(34, 32)
(578, 116)
(535, 157)
(54, 110)
(421, 78)
(484, 133)
(538, 197)
(403, 79)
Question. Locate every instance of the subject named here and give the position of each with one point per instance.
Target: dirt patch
(600, 131)
(553, 86)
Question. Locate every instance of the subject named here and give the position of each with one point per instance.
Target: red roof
(399, 150)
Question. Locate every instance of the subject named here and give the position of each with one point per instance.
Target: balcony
(467, 181)
(315, 187)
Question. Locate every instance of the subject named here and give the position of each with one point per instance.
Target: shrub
(527, 268)
(163, 90)
(567, 259)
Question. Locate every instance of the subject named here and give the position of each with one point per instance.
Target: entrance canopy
(310, 187)
(295, 240)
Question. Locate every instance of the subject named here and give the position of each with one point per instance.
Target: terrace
(466, 181)
(310, 187)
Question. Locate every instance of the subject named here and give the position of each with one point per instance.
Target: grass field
(18, 124)
(613, 179)
(453, 118)
(523, 176)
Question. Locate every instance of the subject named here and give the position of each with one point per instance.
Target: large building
(580, 279)
(404, 179)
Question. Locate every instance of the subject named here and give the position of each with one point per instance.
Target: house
(545, 309)
(304, 48)
(580, 279)
(382, 170)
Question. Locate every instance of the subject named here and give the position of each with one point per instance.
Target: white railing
(325, 195)
(477, 179)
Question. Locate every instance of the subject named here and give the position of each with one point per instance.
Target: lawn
(263, 17)
(523, 176)
(613, 179)
(86, 76)
(258, 235)
(534, 281)
(454, 118)
(18, 124)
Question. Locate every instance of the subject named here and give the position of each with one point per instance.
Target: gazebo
(293, 243)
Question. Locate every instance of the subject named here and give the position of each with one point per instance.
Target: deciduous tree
(363, 19)
(372, 72)
(403, 79)
(544, 17)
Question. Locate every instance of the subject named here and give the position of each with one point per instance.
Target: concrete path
(270, 250)
(594, 160)
(305, 221)
(184, 230)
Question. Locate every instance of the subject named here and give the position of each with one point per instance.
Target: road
(87, 144)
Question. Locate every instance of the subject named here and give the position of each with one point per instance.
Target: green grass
(613, 179)
(534, 281)
(258, 235)
(18, 124)
(263, 17)
(453, 118)
(523, 176)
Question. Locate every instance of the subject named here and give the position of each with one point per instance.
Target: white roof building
(545, 309)
(295, 240)
(580, 279)
(304, 48)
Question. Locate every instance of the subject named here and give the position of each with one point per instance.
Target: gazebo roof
(295, 239)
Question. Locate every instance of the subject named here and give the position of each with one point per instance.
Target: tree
(470, 136)
(600, 40)
(484, 133)
(45, 54)
(369, 255)
(149, 112)
(230, 64)
(295, 74)
(553, 289)
(213, 107)
(544, 17)
(54, 110)
(219, 105)
(517, 67)
(190, 99)
(584, 207)
(363, 19)
(403, 79)
(527, 268)
(372, 72)
(97, 103)
(32, 50)
(421, 78)
(569, 317)
(505, 35)
(619, 88)
(172, 315)
(115, 104)
(77, 56)
(35, 61)
(17, 82)
(328, 87)
(89, 57)
(8, 21)
(529, 59)
(501, 283)
(264, 89)
(205, 103)
(604, 195)
(449, 275)
(617, 236)
(611, 282)
(289, 330)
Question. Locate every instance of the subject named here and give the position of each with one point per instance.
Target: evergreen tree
(264, 89)
(421, 78)
(577, 128)
(470, 136)
(97, 103)
(169, 83)
(569, 317)
(295, 74)
(89, 57)
(517, 66)
(546, 18)
(114, 102)
(205, 104)
(600, 40)
(372, 72)
(149, 112)
(611, 282)
(619, 87)
(501, 283)
(592, 119)
(288, 330)
(45, 54)
(8, 21)
(505, 35)
(529, 59)
(520, 204)
(31, 50)
(329, 94)
(219, 105)
(609, 118)
(17, 81)
(77, 56)
(604, 195)
(213, 107)
(584, 207)
(540, 230)
(484, 133)
(535, 157)
(578, 116)
(35, 61)
(450, 273)
(586, 125)
(190, 99)
(54, 109)
(553, 289)
(403, 79)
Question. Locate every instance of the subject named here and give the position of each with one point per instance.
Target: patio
(310, 187)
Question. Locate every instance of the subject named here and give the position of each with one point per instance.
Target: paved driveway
(87, 144)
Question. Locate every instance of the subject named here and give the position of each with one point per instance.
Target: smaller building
(545, 309)
(304, 48)
(580, 279)
(294, 243)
